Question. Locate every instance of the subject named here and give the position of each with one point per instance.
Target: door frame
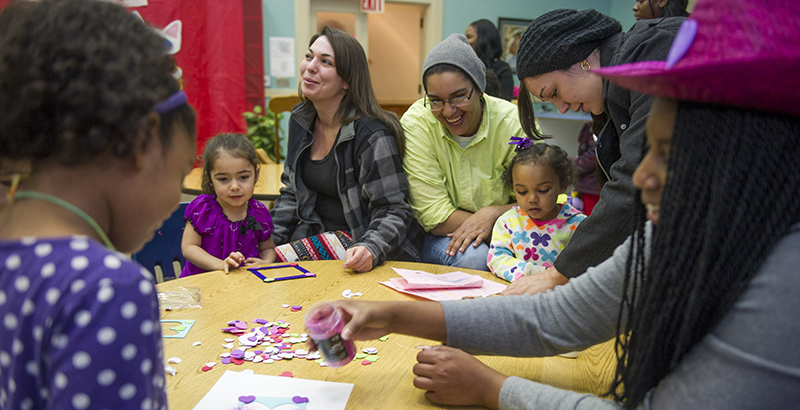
(432, 30)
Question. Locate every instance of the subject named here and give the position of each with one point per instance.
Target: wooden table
(267, 188)
(242, 296)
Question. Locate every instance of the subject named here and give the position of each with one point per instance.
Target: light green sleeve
(430, 200)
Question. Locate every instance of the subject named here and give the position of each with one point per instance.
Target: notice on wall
(281, 57)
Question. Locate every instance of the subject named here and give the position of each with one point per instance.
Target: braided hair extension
(728, 168)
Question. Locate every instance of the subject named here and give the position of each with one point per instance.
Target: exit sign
(372, 6)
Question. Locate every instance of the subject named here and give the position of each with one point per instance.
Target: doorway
(395, 41)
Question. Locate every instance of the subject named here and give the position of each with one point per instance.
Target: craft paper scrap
(417, 279)
(248, 391)
(489, 288)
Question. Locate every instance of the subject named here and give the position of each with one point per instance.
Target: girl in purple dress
(226, 227)
(99, 137)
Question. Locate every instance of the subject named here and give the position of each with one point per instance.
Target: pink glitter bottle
(324, 324)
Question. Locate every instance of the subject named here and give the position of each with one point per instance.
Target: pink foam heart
(286, 374)
(247, 399)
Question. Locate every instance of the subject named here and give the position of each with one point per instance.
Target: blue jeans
(435, 247)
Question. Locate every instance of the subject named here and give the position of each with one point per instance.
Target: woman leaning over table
(704, 319)
(345, 187)
(558, 55)
(456, 151)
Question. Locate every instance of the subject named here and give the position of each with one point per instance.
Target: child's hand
(456, 378)
(359, 259)
(235, 259)
(255, 261)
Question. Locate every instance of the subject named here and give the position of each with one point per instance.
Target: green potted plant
(261, 129)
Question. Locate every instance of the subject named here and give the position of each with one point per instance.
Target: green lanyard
(69, 207)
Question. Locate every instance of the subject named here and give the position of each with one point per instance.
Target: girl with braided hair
(704, 311)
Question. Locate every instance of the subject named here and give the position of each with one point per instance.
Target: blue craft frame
(304, 273)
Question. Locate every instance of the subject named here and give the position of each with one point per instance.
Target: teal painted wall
(459, 13)
(622, 10)
(278, 22)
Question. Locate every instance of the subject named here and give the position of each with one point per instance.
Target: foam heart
(300, 399)
(247, 399)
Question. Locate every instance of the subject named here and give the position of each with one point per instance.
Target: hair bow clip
(521, 143)
(251, 225)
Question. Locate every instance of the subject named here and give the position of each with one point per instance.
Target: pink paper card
(417, 279)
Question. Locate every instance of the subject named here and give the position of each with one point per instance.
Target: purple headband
(521, 143)
(172, 102)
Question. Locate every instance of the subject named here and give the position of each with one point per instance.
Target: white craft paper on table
(321, 395)
(487, 289)
(281, 56)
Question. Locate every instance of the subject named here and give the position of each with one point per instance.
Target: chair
(163, 252)
(277, 105)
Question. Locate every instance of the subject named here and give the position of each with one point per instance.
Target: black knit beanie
(561, 38)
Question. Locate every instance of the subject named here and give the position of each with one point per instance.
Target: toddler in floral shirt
(528, 237)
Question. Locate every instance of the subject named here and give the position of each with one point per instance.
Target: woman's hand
(359, 259)
(235, 259)
(453, 377)
(475, 229)
(540, 282)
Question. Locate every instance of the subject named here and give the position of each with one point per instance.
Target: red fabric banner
(211, 57)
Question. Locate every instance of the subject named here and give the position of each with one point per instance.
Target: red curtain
(221, 56)
(211, 58)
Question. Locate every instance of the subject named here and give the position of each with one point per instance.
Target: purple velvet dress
(220, 236)
(79, 328)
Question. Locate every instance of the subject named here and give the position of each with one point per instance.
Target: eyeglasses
(455, 102)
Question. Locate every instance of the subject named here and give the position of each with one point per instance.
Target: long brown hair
(359, 99)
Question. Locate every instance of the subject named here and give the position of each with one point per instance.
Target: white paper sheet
(232, 385)
(281, 56)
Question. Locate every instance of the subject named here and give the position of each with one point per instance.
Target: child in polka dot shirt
(90, 104)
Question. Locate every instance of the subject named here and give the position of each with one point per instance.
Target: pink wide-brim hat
(743, 53)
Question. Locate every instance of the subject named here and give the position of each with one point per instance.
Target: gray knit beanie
(455, 50)
(561, 38)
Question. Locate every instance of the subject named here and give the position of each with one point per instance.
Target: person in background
(456, 152)
(558, 55)
(482, 35)
(225, 227)
(702, 319)
(90, 104)
(528, 237)
(345, 195)
(587, 186)
(653, 9)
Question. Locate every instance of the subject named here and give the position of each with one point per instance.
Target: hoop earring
(585, 66)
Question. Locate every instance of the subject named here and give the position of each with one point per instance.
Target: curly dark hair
(699, 264)
(552, 156)
(78, 78)
(235, 145)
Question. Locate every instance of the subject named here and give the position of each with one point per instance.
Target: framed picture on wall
(510, 32)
